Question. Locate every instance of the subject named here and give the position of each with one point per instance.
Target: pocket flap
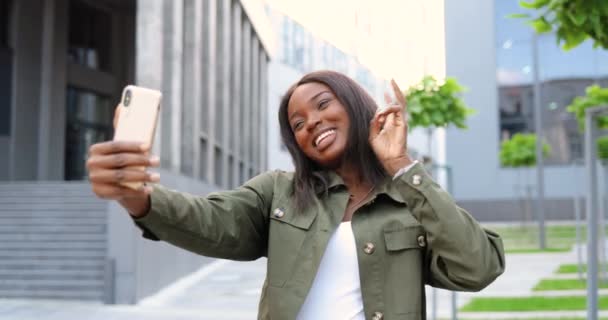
(289, 216)
(410, 237)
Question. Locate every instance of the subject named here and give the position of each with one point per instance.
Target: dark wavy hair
(310, 179)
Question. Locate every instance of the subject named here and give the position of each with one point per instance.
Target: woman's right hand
(110, 163)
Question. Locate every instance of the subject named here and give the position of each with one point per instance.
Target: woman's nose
(312, 123)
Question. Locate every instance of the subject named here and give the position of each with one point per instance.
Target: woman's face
(319, 122)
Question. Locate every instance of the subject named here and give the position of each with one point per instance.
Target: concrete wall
(473, 153)
(142, 267)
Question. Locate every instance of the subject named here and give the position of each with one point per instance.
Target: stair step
(52, 254)
(52, 237)
(89, 206)
(48, 199)
(51, 284)
(27, 274)
(74, 213)
(7, 230)
(52, 221)
(58, 245)
(52, 294)
(61, 263)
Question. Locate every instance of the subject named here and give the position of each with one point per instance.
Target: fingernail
(154, 161)
(154, 177)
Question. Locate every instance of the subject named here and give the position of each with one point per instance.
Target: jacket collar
(386, 187)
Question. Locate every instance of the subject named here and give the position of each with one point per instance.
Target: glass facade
(562, 76)
(6, 70)
(90, 33)
(89, 120)
(304, 52)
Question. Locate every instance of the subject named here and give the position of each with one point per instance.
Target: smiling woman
(354, 233)
(325, 121)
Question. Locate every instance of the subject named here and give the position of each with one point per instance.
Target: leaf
(517, 16)
(577, 18)
(537, 4)
(541, 25)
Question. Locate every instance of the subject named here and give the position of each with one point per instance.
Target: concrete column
(192, 94)
(172, 85)
(149, 61)
(226, 105)
(211, 30)
(254, 107)
(237, 100)
(246, 97)
(263, 111)
(52, 119)
(23, 149)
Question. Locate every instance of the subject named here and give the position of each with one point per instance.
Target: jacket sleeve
(460, 254)
(228, 224)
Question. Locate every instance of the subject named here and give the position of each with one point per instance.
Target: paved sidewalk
(230, 290)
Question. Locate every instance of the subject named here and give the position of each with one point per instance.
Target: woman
(355, 233)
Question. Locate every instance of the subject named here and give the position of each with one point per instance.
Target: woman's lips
(325, 139)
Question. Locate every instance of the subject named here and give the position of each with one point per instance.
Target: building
(63, 64)
(368, 41)
(492, 56)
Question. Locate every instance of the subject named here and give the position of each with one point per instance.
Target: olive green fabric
(410, 233)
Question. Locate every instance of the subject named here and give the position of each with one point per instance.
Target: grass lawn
(565, 284)
(543, 319)
(531, 304)
(571, 268)
(524, 239)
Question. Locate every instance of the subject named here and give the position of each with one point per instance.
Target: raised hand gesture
(388, 132)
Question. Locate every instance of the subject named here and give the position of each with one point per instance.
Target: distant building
(63, 64)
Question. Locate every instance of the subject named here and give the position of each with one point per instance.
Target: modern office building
(63, 64)
(492, 55)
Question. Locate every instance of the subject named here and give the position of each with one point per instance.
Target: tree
(573, 21)
(431, 104)
(596, 96)
(520, 152)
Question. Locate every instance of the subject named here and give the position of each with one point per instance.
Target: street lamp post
(539, 145)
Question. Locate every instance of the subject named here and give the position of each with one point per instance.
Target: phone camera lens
(127, 99)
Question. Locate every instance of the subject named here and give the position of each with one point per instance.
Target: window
(562, 76)
(89, 121)
(6, 70)
(4, 22)
(90, 36)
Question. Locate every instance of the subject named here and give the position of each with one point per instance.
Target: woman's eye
(297, 125)
(323, 103)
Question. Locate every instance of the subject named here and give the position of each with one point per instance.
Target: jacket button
(377, 316)
(421, 241)
(278, 213)
(369, 248)
(416, 179)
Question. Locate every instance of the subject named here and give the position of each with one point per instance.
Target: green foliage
(602, 148)
(574, 21)
(430, 104)
(512, 304)
(520, 151)
(596, 96)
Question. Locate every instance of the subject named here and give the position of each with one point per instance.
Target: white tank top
(336, 290)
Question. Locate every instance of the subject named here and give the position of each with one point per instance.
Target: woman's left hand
(388, 133)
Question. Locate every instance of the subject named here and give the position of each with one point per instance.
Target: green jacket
(410, 233)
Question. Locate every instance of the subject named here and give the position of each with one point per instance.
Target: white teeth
(323, 136)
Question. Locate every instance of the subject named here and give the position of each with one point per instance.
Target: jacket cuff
(154, 217)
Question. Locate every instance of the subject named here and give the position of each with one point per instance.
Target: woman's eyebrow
(317, 95)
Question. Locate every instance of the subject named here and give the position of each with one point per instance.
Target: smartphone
(139, 110)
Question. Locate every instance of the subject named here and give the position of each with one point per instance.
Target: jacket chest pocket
(405, 247)
(287, 233)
